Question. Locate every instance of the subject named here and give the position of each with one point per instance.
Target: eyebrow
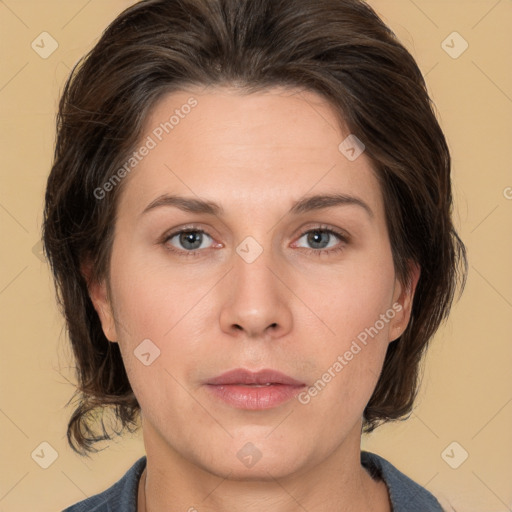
(304, 205)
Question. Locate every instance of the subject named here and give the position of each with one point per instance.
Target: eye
(187, 241)
(323, 240)
(190, 241)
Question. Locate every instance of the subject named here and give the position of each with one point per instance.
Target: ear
(98, 292)
(403, 296)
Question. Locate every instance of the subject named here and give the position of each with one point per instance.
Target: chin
(257, 460)
(265, 470)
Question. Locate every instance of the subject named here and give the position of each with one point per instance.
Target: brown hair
(337, 48)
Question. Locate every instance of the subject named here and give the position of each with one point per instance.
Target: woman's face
(265, 279)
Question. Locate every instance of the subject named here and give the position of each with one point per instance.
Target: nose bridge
(254, 260)
(254, 280)
(257, 298)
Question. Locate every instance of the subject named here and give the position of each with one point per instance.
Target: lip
(243, 376)
(243, 389)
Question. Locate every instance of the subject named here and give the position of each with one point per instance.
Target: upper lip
(243, 376)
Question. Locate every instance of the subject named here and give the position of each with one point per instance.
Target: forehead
(272, 118)
(249, 148)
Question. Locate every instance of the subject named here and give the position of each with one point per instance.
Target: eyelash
(317, 252)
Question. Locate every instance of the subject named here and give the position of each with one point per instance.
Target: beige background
(466, 394)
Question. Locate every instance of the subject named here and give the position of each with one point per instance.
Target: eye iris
(316, 237)
(192, 237)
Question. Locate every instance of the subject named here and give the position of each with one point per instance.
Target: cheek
(151, 298)
(357, 308)
(164, 306)
(353, 300)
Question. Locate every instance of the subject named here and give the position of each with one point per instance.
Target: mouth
(243, 389)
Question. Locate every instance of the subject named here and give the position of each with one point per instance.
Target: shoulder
(120, 497)
(405, 494)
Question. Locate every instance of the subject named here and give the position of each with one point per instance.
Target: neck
(338, 484)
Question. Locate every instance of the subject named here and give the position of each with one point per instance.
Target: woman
(249, 223)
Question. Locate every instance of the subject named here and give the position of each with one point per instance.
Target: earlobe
(402, 302)
(98, 293)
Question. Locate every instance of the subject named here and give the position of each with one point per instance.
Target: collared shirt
(405, 494)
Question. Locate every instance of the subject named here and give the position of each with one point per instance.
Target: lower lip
(254, 397)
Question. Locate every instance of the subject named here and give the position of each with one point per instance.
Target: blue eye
(190, 242)
(320, 238)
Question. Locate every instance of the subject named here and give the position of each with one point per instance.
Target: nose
(257, 300)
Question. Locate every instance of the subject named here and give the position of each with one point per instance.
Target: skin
(290, 309)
